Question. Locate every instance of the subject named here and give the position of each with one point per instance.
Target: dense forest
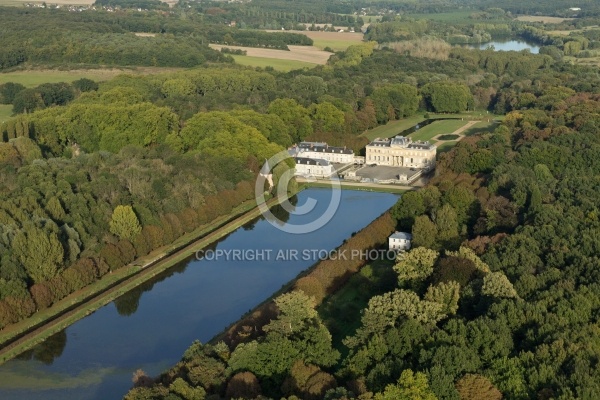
(56, 37)
(494, 271)
(498, 298)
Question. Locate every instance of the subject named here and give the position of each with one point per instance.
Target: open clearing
(307, 54)
(336, 40)
(543, 19)
(279, 65)
(35, 77)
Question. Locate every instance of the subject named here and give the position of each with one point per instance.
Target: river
(149, 328)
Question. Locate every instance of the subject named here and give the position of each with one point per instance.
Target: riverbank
(34, 330)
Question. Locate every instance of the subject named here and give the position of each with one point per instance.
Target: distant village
(396, 160)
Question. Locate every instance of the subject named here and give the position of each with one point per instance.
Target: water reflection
(48, 350)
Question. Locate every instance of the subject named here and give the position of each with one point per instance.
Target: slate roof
(311, 161)
(320, 147)
(401, 235)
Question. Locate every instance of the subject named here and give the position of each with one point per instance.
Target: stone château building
(401, 152)
(322, 151)
(315, 167)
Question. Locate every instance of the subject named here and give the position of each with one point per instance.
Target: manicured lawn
(5, 112)
(437, 128)
(393, 128)
(280, 65)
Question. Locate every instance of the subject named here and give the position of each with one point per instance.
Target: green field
(437, 128)
(337, 45)
(5, 112)
(279, 65)
(37, 77)
(393, 128)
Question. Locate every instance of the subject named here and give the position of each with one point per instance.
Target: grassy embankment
(45, 323)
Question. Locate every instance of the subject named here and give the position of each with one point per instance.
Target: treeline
(59, 37)
(143, 4)
(250, 38)
(110, 49)
(43, 96)
(275, 14)
(406, 28)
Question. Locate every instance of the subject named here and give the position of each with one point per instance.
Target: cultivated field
(336, 40)
(543, 19)
(31, 78)
(307, 54)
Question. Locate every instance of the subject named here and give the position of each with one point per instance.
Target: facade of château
(316, 167)
(401, 152)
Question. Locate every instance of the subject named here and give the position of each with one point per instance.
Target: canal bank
(38, 328)
(151, 326)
